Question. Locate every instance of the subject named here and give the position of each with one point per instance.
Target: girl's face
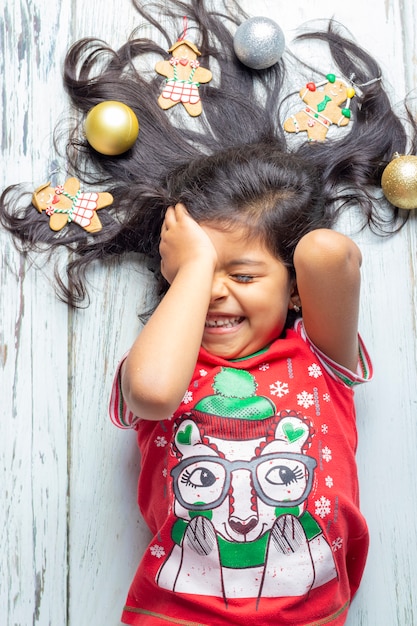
(250, 296)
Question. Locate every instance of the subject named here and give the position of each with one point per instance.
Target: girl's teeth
(224, 323)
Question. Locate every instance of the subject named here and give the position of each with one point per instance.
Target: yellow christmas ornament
(111, 127)
(399, 181)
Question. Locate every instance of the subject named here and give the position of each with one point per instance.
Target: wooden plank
(388, 429)
(33, 406)
(106, 533)
(33, 450)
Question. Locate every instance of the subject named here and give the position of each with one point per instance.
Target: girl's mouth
(223, 322)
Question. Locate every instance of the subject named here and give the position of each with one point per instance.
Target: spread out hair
(231, 163)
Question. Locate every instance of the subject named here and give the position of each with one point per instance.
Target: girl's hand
(183, 242)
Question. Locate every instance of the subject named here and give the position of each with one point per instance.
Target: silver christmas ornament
(259, 43)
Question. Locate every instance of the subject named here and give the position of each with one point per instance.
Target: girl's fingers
(180, 209)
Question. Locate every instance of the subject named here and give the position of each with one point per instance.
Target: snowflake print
(322, 507)
(324, 429)
(326, 454)
(305, 399)
(314, 371)
(329, 481)
(165, 472)
(279, 389)
(326, 397)
(203, 373)
(160, 442)
(157, 551)
(337, 544)
(188, 397)
(264, 367)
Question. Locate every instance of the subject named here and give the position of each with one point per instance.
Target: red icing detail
(311, 86)
(55, 199)
(184, 61)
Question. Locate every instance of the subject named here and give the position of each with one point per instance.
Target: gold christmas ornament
(111, 127)
(399, 181)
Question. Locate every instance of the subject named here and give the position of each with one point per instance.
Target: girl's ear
(295, 302)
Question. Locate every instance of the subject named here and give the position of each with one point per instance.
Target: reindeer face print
(241, 490)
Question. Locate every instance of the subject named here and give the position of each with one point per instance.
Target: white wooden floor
(70, 534)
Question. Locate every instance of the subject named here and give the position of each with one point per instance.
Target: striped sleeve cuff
(119, 413)
(364, 370)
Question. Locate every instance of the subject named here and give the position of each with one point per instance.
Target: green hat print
(234, 398)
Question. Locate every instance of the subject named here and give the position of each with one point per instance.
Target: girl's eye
(242, 278)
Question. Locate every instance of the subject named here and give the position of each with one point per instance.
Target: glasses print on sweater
(242, 527)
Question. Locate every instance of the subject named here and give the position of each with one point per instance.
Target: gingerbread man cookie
(67, 203)
(183, 77)
(323, 108)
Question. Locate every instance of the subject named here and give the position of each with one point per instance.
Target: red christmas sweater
(251, 493)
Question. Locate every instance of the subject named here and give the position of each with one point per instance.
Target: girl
(243, 409)
(246, 420)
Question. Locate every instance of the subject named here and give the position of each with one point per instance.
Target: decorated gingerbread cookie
(323, 108)
(67, 203)
(183, 77)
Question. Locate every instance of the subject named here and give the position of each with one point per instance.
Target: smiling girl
(237, 400)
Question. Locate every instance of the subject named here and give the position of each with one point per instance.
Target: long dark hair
(236, 154)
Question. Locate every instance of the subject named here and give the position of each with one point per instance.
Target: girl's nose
(219, 287)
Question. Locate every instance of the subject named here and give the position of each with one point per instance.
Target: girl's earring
(296, 308)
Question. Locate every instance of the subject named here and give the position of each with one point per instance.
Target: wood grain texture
(70, 532)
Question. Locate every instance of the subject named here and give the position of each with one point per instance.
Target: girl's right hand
(183, 242)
